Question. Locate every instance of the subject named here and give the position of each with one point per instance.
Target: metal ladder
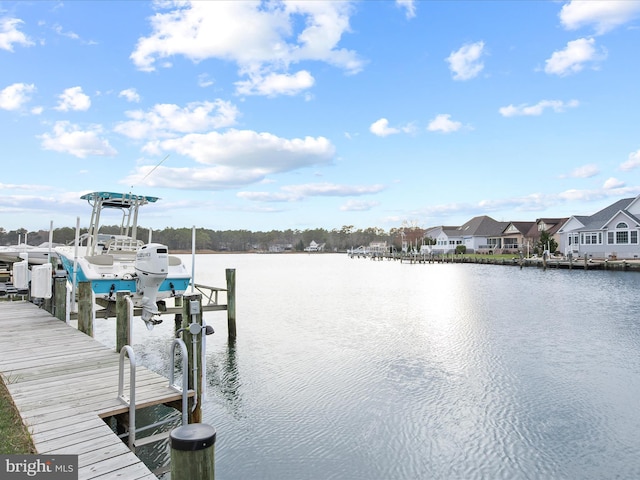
(130, 401)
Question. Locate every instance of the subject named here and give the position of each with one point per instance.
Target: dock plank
(64, 383)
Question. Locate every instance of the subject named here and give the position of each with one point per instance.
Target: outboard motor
(152, 266)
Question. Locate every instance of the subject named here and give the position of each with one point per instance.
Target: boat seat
(106, 260)
(174, 261)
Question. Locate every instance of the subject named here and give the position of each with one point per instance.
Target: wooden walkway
(64, 383)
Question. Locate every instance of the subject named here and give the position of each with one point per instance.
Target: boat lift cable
(153, 169)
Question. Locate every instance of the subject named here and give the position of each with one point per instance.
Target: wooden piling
(193, 452)
(60, 298)
(231, 302)
(192, 314)
(85, 308)
(123, 320)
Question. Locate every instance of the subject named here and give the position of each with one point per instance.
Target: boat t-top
(121, 262)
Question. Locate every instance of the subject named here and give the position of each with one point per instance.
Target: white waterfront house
(481, 234)
(610, 233)
(314, 247)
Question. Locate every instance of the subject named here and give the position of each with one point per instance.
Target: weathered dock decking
(64, 383)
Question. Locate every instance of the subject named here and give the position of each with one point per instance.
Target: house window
(573, 239)
(591, 238)
(622, 237)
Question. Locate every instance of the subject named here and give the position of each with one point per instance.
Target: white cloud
(69, 34)
(261, 40)
(632, 162)
(276, 84)
(537, 109)
(246, 149)
(574, 57)
(208, 178)
(443, 123)
(15, 96)
(233, 158)
(585, 171)
(296, 193)
(358, 206)
(10, 35)
(332, 190)
(604, 15)
(168, 120)
(613, 183)
(465, 63)
(204, 80)
(530, 202)
(69, 138)
(409, 6)
(130, 94)
(73, 99)
(381, 128)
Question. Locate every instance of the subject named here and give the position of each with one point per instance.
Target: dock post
(192, 337)
(123, 320)
(85, 308)
(193, 451)
(231, 302)
(60, 298)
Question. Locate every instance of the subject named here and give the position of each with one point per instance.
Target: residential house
(314, 247)
(481, 234)
(524, 236)
(515, 237)
(446, 239)
(550, 225)
(280, 247)
(378, 247)
(610, 233)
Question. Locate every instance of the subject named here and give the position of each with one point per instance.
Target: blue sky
(306, 114)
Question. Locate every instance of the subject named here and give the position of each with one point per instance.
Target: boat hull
(108, 276)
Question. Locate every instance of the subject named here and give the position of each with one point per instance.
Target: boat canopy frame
(128, 203)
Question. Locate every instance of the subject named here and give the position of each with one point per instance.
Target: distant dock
(65, 384)
(554, 263)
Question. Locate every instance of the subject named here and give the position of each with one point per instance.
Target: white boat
(113, 263)
(35, 255)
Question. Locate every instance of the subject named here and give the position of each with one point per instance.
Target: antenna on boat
(153, 169)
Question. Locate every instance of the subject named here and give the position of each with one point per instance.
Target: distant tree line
(335, 240)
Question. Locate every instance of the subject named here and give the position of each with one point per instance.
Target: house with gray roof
(610, 233)
(481, 234)
(516, 237)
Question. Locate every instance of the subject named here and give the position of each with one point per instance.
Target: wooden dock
(64, 383)
(559, 263)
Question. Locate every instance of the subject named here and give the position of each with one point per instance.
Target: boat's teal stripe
(104, 286)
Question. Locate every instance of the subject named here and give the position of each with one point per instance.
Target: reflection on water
(224, 380)
(349, 368)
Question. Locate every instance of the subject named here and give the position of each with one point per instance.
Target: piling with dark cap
(193, 451)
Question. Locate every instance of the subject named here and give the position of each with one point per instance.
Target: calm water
(354, 369)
